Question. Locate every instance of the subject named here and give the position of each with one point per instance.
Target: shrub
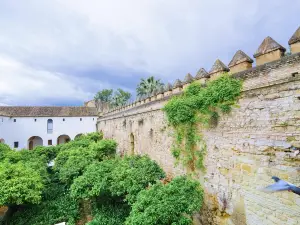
(172, 203)
(56, 206)
(71, 164)
(133, 174)
(95, 181)
(110, 213)
(104, 149)
(20, 184)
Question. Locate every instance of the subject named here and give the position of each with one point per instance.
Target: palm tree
(146, 87)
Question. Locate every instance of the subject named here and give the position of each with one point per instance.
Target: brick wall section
(248, 146)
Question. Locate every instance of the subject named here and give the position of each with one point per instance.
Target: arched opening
(49, 126)
(78, 136)
(34, 141)
(131, 144)
(2, 140)
(63, 139)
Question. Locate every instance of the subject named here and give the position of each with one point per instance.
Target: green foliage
(94, 136)
(104, 148)
(104, 96)
(110, 211)
(199, 105)
(132, 174)
(71, 163)
(95, 181)
(120, 97)
(20, 184)
(56, 206)
(114, 98)
(22, 176)
(120, 177)
(147, 86)
(173, 203)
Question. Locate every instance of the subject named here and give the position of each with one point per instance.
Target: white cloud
(53, 45)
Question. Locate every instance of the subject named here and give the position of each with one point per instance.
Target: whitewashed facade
(27, 127)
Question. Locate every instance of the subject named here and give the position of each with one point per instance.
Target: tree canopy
(115, 98)
(147, 86)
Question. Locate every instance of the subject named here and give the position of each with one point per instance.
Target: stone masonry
(255, 141)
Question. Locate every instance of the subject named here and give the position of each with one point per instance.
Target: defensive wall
(255, 141)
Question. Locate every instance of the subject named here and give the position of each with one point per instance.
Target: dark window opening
(34, 120)
(63, 119)
(15, 120)
(80, 119)
(93, 118)
(49, 142)
(16, 144)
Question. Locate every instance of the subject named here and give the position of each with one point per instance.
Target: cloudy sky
(60, 52)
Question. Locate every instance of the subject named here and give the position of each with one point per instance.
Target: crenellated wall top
(269, 56)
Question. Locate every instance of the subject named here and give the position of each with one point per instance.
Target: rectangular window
(49, 142)
(15, 120)
(63, 119)
(80, 119)
(16, 144)
(34, 120)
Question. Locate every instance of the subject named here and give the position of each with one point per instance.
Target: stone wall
(248, 146)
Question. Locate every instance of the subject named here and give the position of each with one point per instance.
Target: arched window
(49, 126)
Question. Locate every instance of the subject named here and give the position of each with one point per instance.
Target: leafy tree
(71, 163)
(95, 181)
(56, 206)
(119, 177)
(132, 174)
(172, 203)
(121, 97)
(20, 184)
(104, 96)
(148, 86)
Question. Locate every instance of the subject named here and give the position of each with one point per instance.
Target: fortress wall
(248, 146)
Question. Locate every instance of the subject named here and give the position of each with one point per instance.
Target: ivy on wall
(196, 108)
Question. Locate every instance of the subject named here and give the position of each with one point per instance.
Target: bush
(104, 149)
(95, 181)
(133, 174)
(56, 206)
(20, 184)
(173, 203)
(71, 164)
(110, 212)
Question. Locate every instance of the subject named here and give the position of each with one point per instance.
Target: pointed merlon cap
(202, 74)
(218, 67)
(177, 84)
(239, 57)
(188, 78)
(296, 37)
(168, 87)
(268, 45)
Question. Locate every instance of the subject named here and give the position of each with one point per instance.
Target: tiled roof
(47, 111)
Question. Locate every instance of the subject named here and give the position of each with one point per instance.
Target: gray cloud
(67, 50)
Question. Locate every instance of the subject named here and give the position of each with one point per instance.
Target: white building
(27, 127)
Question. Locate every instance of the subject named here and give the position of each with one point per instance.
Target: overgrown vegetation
(196, 108)
(89, 180)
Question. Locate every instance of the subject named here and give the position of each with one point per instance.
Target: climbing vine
(199, 107)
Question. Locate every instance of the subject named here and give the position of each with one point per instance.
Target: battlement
(270, 55)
